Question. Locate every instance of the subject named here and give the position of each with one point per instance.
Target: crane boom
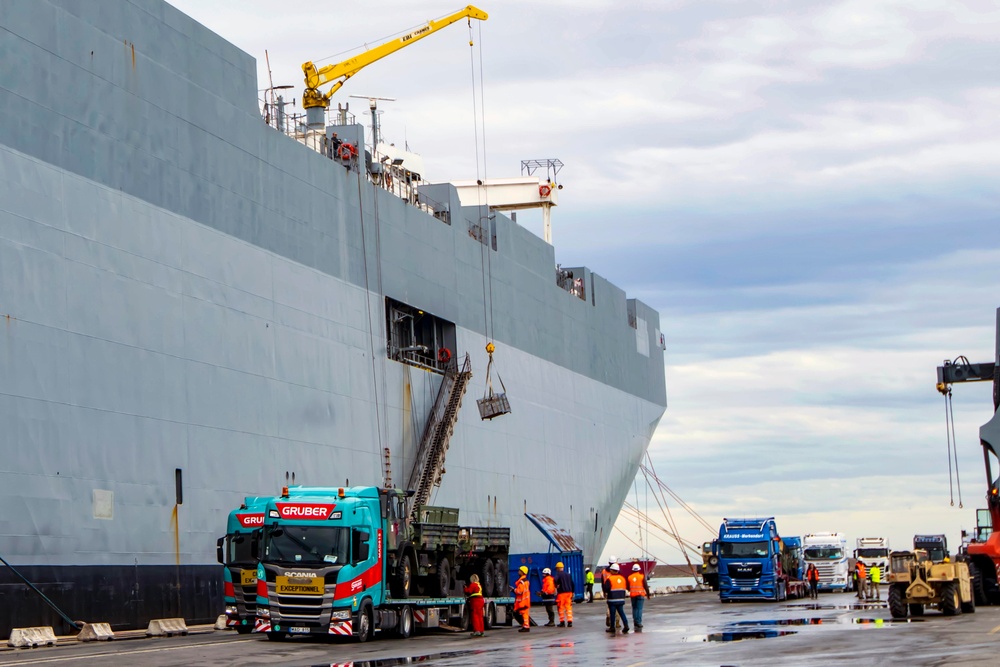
(339, 73)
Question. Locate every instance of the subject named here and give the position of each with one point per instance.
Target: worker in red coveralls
(522, 600)
(475, 593)
(564, 597)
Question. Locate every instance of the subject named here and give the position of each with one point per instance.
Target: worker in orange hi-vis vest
(638, 591)
(564, 597)
(615, 591)
(522, 600)
(549, 596)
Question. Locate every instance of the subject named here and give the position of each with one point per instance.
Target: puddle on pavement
(877, 622)
(394, 662)
(738, 635)
(837, 607)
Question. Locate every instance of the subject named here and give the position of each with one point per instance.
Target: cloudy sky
(806, 192)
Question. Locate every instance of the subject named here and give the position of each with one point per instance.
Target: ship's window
(418, 338)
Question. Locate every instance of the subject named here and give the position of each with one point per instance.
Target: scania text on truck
(345, 561)
(756, 564)
(237, 552)
(828, 552)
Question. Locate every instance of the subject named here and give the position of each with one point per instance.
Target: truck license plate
(248, 577)
(746, 588)
(298, 631)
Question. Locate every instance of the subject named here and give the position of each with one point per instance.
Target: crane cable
(949, 426)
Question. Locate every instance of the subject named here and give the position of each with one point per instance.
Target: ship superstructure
(195, 306)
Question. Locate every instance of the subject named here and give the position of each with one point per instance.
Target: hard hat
(523, 570)
(613, 559)
(546, 571)
(614, 567)
(559, 565)
(586, 569)
(636, 568)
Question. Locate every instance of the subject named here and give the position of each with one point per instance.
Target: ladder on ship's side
(429, 464)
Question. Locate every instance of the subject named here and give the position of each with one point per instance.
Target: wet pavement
(681, 629)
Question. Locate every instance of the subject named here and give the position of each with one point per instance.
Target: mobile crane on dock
(983, 557)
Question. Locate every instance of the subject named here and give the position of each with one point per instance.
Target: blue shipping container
(572, 562)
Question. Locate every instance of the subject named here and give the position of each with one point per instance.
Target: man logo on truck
(316, 511)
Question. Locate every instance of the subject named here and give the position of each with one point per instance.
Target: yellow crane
(339, 73)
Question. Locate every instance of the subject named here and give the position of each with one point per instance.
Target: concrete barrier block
(95, 632)
(32, 637)
(222, 623)
(166, 627)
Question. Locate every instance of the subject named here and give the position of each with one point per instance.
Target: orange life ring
(345, 151)
(444, 355)
(544, 191)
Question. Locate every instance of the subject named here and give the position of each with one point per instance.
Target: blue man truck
(237, 552)
(756, 563)
(355, 561)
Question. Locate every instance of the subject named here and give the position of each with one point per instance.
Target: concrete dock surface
(680, 629)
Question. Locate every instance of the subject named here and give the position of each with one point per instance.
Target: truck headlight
(263, 612)
(230, 610)
(342, 615)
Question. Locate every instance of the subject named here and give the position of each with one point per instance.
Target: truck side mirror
(218, 550)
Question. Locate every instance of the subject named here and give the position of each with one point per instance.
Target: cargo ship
(198, 305)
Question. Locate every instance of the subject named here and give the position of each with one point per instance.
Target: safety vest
(589, 578)
(636, 585)
(861, 570)
(522, 594)
(812, 574)
(618, 587)
(475, 590)
(548, 585)
(876, 575)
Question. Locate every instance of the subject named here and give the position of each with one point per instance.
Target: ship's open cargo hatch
(560, 538)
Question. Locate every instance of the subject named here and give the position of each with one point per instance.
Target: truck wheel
(444, 578)
(490, 616)
(365, 621)
(897, 603)
(402, 581)
(486, 576)
(951, 604)
(500, 577)
(978, 589)
(405, 627)
(916, 610)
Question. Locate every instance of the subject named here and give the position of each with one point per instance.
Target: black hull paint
(125, 596)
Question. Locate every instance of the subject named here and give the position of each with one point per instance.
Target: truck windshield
(824, 553)
(239, 549)
(934, 549)
(312, 545)
(743, 549)
(873, 553)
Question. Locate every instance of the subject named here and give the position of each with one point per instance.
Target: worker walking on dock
(638, 590)
(615, 591)
(588, 585)
(876, 579)
(476, 604)
(862, 575)
(522, 600)
(564, 596)
(549, 596)
(812, 576)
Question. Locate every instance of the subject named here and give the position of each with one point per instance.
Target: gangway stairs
(429, 464)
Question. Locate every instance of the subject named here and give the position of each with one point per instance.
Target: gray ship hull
(193, 303)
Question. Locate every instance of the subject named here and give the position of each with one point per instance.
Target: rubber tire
(244, 629)
(897, 601)
(443, 580)
(978, 588)
(489, 616)
(501, 578)
(486, 576)
(366, 619)
(405, 626)
(967, 607)
(402, 582)
(950, 602)
(916, 609)
(465, 620)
